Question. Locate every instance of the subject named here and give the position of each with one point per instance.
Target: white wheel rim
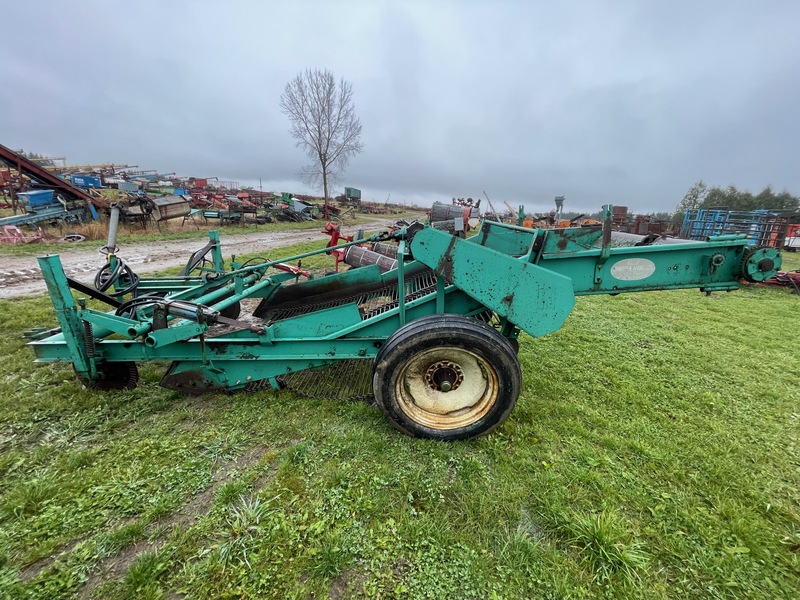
(420, 388)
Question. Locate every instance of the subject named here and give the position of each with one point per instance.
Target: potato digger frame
(441, 326)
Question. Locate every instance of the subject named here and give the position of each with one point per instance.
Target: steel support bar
(247, 350)
(707, 265)
(73, 330)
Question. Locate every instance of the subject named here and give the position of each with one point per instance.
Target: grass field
(654, 453)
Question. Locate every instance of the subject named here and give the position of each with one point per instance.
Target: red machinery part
(332, 229)
(789, 279)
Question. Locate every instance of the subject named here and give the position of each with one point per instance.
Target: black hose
(128, 308)
(121, 273)
(253, 260)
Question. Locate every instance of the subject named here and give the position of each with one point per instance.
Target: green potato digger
(432, 317)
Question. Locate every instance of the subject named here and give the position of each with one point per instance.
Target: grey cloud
(601, 101)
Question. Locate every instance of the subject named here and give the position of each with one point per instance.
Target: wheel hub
(444, 376)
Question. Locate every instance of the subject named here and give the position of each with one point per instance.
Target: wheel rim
(446, 388)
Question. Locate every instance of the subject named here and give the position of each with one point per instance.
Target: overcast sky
(624, 102)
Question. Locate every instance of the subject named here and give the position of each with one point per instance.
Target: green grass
(791, 261)
(654, 453)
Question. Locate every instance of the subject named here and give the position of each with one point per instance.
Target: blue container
(37, 198)
(86, 181)
(179, 192)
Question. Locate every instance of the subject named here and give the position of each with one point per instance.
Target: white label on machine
(633, 269)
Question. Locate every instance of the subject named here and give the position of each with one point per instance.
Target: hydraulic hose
(120, 273)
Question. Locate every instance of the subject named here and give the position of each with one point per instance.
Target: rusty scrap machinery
(439, 323)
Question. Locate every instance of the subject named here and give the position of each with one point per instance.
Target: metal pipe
(221, 292)
(401, 284)
(141, 329)
(113, 227)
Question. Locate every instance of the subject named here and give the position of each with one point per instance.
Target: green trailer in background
(437, 325)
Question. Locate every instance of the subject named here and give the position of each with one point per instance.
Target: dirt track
(20, 275)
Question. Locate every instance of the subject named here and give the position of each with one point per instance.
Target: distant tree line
(732, 198)
(700, 195)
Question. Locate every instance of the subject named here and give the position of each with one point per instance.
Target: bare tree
(324, 123)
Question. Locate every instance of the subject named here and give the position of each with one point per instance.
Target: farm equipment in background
(761, 227)
(458, 217)
(54, 200)
(351, 198)
(142, 209)
(434, 338)
(792, 241)
(11, 234)
(236, 210)
(44, 206)
(382, 254)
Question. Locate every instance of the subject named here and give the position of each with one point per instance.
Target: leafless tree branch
(323, 122)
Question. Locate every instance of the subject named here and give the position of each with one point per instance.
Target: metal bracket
(605, 249)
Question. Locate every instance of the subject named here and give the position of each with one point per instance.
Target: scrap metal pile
(40, 190)
(436, 327)
(761, 227)
(790, 279)
(39, 196)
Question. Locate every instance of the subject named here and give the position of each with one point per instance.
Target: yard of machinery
(424, 319)
(44, 192)
(41, 193)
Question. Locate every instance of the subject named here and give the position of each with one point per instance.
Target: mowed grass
(653, 453)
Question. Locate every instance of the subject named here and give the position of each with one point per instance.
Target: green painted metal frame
(529, 278)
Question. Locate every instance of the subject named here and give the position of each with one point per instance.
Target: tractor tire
(446, 377)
